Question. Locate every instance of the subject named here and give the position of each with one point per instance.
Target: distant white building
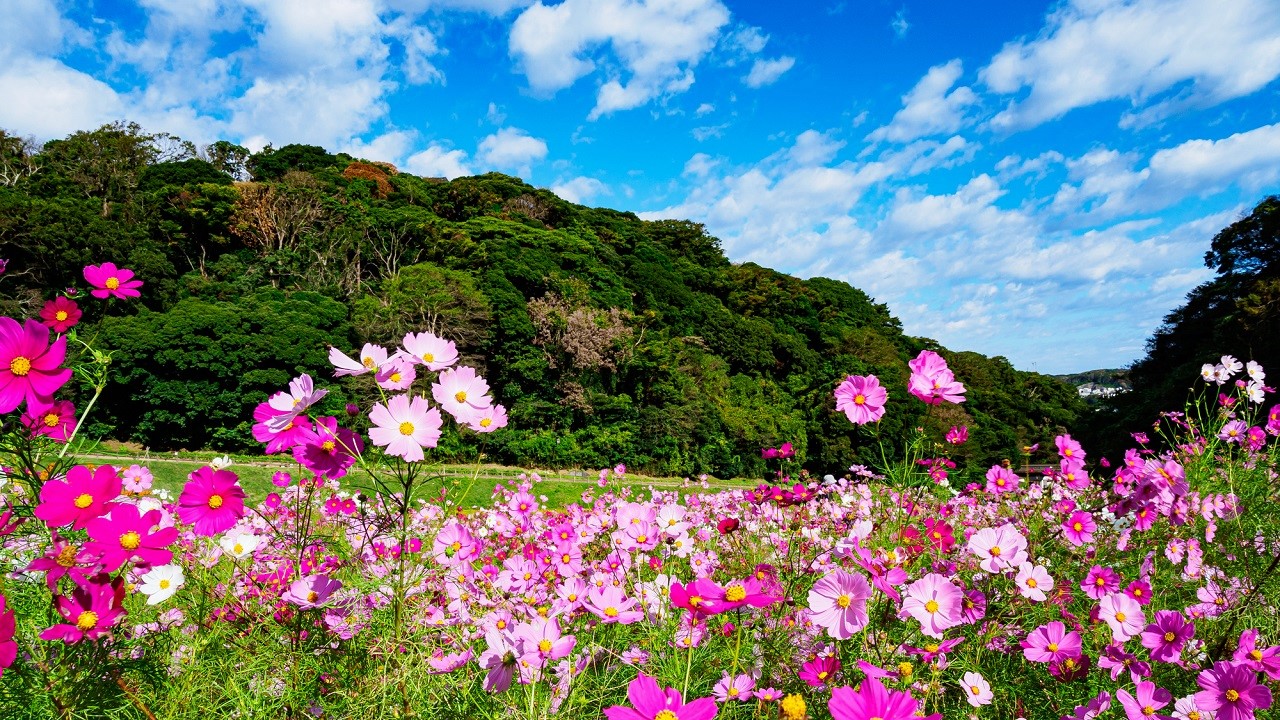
(1096, 390)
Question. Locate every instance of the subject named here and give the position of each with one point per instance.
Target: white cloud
(704, 109)
(766, 72)
(931, 107)
(511, 149)
(580, 189)
(437, 161)
(699, 165)
(389, 147)
(1160, 55)
(899, 24)
(495, 115)
(57, 100)
(656, 43)
(706, 132)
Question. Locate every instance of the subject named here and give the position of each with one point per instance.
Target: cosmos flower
(30, 367)
(861, 399)
(110, 281)
(212, 501)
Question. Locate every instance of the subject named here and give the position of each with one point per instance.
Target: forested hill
(609, 339)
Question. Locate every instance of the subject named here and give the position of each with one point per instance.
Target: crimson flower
(60, 314)
(90, 611)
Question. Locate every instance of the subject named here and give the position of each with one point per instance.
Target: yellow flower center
(112, 283)
(395, 377)
(51, 420)
(823, 675)
(406, 428)
(164, 584)
(1148, 711)
(734, 593)
(1169, 637)
(1232, 695)
(215, 502)
(931, 606)
(666, 715)
(60, 316)
(843, 601)
(312, 596)
(367, 361)
(328, 445)
(87, 620)
(792, 707)
(130, 540)
(460, 396)
(611, 612)
(859, 399)
(1078, 526)
(905, 669)
(486, 422)
(428, 357)
(83, 500)
(1255, 655)
(1000, 482)
(995, 551)
(931, 647)
(544, 645)
(67, 556)
(1053, 647)
(975, 689)
(1031, 583)
(20, 366)
(1193, 715)
(237, 549)
(1119, 617)
(733, 692)
(1100, 582)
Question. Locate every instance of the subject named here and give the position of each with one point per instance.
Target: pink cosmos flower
(649, 701)
(1145, 703)
(500, 659)
(212, 501)
(1001, 479)
(999, 549)
(136, 479)
(330, 450)
(932, 381)
(738, 593)
(872, 700)
(695, 597)
(110, 281)
(733, 687)
(405, 426)
(487, 420)
(454, 545)
(977, 689)
(935, 602)
(372, 357)
(128, 535)
(398, 374)
(79, 498)
(1260, 659)
(311, 591)
(1123, 615)
(958, 435)
(289, 405)
(56, 420)
(29, 365)
(90, 612)
(1118, 660)
(839, 603)
(539, 642)
(1100, 582)
(296, 431)
(1033, 581)
(1068, 448)
(611, 605)
(1166, 637)
(60, 314)
(1234, 431)
(8, 625)
(461, 392)
(426, 349)
(1232, 691)
(861, 399)
(65, 558)
(1079, 527)
(1051, 643)
(820, 671)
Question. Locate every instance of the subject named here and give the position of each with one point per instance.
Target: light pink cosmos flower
(935, 602)
(861, 399)
(110, 281)
(612, 605)
(650, 701)
(311, 591)
(302, 394)
(977, 691)
(372, 357)
(136, 479)
(404, 427)
(839, 603)
(1001, 479)
(999, 549)
(462, 393)
(30, 367)
(1051, 643)
(932, 381)
(733, 687)
(489, 419)
(1123, 615)
(426, 349)
(539, 641)
(1033, 581)
(500, 659)
(398, 374)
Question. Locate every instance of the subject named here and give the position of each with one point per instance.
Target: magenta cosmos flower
(60, 314)
(30, 367)
(90, 612)
(330, 450)
(1166, 637)
(1001, 479)
(405, 426)
(1232, 691)
(819, 671)
(79, 498)
(649, 701)
(110, 281)
(872, 700)
(935, 601)
(738, 593)
(56, 420)
(8, 624)
(861, 399)
(293, 433)
(129, 535)
(838, 602)
(932, 381)
(1145, 702)
(212, 501)
(1051, 643)
(1079, 528)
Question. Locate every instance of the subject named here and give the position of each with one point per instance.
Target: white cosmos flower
(161, 582)
(239, 543)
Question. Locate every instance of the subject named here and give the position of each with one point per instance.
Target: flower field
(361, 587)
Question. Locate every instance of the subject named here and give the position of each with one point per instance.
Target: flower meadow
(1138, 588)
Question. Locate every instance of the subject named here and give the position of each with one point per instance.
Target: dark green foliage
(609, 339)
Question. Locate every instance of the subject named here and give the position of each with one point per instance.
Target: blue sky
(1034, 180)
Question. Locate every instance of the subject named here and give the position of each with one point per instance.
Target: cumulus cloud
(931, 107)
(580, 189)
(766, 72)
(511, 149)
(1160, 55)
(438, 161)
(655, 46)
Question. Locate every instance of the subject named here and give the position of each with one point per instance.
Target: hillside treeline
(609, 339)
